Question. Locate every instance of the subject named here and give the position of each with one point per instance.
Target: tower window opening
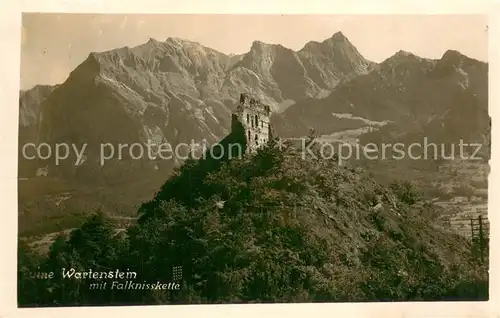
(249, 136)
(248, 118)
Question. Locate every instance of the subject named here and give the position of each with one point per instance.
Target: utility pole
(481, 238)
(472, 229)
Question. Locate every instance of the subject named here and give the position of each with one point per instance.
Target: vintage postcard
(169, 159)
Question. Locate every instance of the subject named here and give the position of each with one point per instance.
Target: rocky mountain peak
(339, 37)
(403, 53)
(176, 40)
(153, 41)
(402, 56)
(183, 43)
(259, 46)
(456, 63)
(455, 59)
(452, 57)
(407, 61)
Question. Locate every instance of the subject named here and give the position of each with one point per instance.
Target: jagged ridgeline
(271, 226)
(173, 91)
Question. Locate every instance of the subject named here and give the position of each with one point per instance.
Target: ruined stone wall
(255, 119)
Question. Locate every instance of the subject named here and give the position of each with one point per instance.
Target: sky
(53, 44)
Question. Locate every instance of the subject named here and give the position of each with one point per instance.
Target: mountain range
(178, 91)
(403, 88)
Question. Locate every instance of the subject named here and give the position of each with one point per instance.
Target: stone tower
(255, 119)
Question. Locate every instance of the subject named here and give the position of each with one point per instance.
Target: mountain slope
(29, 103)
(455, 108)
(402, 88)
(30, 116)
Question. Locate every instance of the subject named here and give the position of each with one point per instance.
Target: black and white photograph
(188, 159)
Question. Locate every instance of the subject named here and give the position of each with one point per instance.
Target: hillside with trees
(268, 227)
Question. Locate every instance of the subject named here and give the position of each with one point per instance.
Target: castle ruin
(255, 119)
